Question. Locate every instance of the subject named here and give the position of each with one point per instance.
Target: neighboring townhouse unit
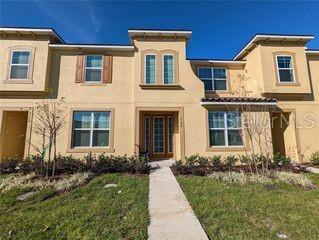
(147, 97)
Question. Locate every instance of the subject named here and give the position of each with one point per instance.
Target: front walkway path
(171, 216)
(312, 169)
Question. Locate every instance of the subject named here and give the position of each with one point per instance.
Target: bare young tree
(256, 125)
(50, 118)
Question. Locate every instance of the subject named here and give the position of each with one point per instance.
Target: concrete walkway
(171, 216)
(312, 169)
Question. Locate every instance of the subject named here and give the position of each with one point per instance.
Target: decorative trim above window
(20, 64)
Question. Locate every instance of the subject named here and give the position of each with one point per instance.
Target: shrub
(245, 159)
(230, 161)
(281, 160)
(34, 163)
(194, 164)
(9, 165)
(217, 161)
(315, 158)
(294, 179)
(69, 165)
(118, 164)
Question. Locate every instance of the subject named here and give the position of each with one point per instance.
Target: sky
(220, 28)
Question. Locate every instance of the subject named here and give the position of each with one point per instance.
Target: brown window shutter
(79, 72)
(107, 69)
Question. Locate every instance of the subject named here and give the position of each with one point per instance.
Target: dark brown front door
(158, 135)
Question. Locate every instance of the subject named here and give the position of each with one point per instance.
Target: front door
(158, 136)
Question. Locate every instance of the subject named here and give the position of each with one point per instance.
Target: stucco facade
(175, 115)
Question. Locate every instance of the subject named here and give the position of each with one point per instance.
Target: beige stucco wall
(38, 65)
(126, 97)
(269, 69)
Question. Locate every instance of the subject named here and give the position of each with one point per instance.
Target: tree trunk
(54, 154)
(49, 157)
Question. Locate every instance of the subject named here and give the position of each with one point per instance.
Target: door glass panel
(158, 125)
(147, 134)
(170, 134)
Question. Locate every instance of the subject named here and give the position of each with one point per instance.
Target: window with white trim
(150, 68)
(20, 63)
(91, 129)
(168, 68)
(213, 78)
(225, 129)
(93, 68)
(285, 69)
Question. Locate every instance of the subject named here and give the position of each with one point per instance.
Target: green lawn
(88, 212)
(252, 211)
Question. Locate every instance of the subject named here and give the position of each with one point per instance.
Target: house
(148, 97)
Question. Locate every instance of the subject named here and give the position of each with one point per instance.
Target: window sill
(162, 86)
(93, 84)
(293, 84)
(216, 91)
(225, 149)
(18, 81)
(90, 149)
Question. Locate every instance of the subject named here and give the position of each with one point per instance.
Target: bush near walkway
(97, 164)
(201, 166)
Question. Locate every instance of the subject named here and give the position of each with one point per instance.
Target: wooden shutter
(79, 72)
(107, 69)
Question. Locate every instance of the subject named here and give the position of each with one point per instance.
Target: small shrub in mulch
(65, 165)
(315, 159)
(8, 165)
(200, 165)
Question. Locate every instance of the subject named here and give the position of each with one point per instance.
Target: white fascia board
(241, 103)
(159, 31)
(312, 52)
(228, 62)
(45, 30)
(305, 37)
(48, 31)
(106, 47)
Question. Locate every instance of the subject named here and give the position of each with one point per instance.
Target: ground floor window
(225, 129)
(91, 129)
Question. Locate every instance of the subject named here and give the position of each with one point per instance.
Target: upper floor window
(91, 129)
(213, 78)
(93, 68)
(225, 129)
(285, 69)
(150, 68)
(168, 68)
(19, 67)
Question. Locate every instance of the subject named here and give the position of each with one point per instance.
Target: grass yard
(88, 212)
(253, 211)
